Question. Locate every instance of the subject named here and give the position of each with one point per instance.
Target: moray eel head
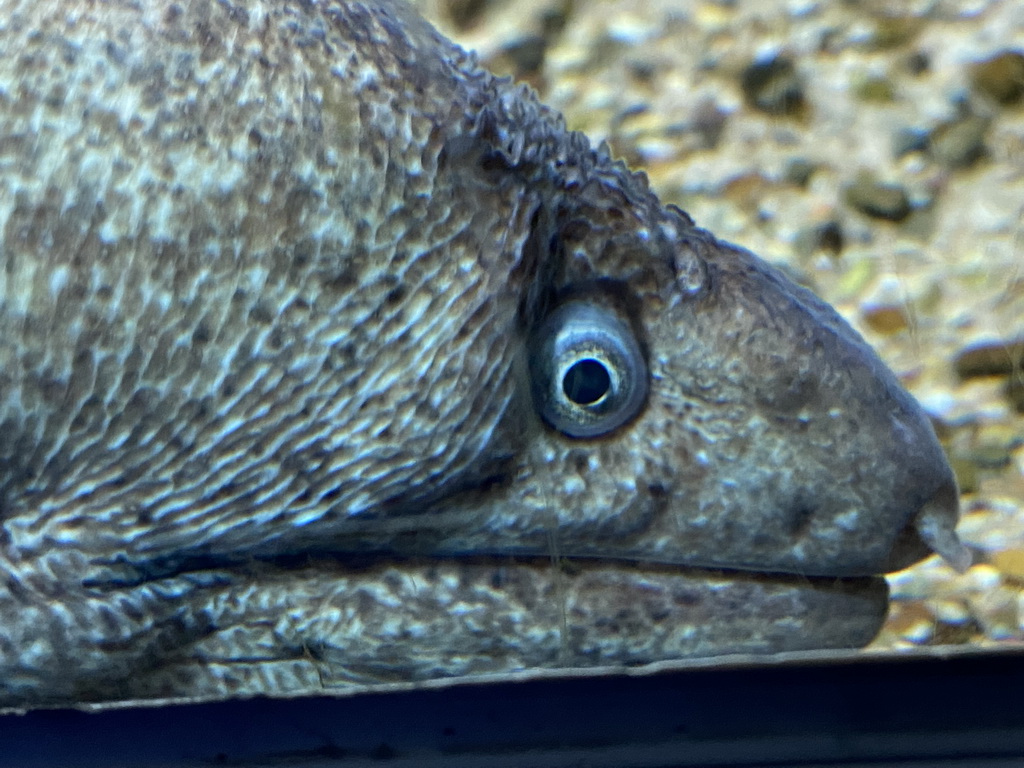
(329, 359)
(699, 408)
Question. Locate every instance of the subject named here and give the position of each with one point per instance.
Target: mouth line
(121, 575)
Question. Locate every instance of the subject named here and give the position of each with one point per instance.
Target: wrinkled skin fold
(277, 277)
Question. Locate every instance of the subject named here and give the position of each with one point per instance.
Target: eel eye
(589, 375)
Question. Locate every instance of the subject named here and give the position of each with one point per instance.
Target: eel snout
(926, 486)
(933, 530)
(798, 450)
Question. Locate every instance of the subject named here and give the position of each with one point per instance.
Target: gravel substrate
(876, 151)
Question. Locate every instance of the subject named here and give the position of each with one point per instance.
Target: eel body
(330, 360)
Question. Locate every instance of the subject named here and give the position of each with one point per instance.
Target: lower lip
(417, 620)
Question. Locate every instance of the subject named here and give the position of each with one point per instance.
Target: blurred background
(875, 151)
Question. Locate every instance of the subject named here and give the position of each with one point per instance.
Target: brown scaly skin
(273, 273)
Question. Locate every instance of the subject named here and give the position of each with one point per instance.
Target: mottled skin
(271, 277)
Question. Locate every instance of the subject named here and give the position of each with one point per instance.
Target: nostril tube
(936, 525)
(932, 529)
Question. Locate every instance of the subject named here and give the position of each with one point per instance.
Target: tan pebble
(1010, 562)
(1000, 77)
(912, 622)
(886, 319)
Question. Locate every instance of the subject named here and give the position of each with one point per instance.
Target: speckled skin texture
(271, 274)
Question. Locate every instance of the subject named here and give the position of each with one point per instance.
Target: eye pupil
(586, 382)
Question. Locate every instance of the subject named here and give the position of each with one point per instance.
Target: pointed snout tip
(936, 525)
(932, 529)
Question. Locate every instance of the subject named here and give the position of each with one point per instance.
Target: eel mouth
(458, 614)
(726, 610)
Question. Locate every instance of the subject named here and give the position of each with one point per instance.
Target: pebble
(959, 143)
(1000, 77)
(875, 88)
(993, 358)
(526, 54)
(894, 31)
(773, 85)
(917, 63)
(880, 200)
(907, 140)
(886, 320)
(826, 237)
(465, 13)
(799, 170)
